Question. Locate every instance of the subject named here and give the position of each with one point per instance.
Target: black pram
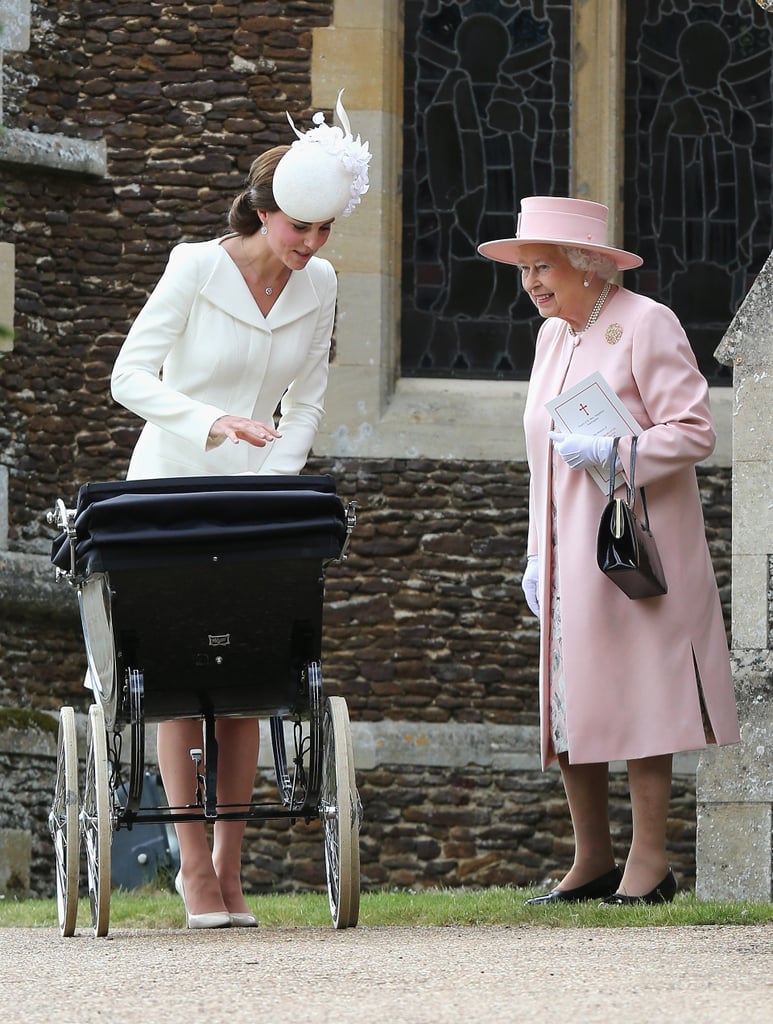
(202, 598)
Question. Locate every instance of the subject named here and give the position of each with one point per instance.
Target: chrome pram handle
(351, 522)
(64, 518)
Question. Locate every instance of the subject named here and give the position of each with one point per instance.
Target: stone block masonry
(735, 790)
(27, 764)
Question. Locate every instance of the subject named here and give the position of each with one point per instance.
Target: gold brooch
(613, 334)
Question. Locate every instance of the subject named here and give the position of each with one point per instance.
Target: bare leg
(175, 741)
(649, 779)
(238, 740)
(587, 792)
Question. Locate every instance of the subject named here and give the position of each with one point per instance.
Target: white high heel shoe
(217, 919)
(243, 921)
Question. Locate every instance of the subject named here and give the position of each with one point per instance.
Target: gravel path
(394, 975)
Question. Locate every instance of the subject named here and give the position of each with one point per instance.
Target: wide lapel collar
(299, 298)
(226, 288)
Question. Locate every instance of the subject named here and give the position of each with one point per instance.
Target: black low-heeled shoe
(604, 885)
(664, 892)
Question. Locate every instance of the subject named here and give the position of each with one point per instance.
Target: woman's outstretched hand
(238, 428)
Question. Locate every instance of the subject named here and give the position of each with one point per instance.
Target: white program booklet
(592, 407)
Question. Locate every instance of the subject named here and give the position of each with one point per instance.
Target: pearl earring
(586, 284)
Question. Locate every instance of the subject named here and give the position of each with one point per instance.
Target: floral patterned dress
(558, 730)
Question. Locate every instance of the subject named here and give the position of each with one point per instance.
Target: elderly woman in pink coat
(620, 679)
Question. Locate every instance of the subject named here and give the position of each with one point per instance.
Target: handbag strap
(630, 487)
(612, 465)
(632, 471)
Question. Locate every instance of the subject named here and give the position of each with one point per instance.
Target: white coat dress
(200, 348)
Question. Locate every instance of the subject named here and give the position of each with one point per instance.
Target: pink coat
(629, 665)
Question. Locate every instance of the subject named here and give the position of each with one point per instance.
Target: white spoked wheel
(340, 820)
(95, 821)
(64, 825)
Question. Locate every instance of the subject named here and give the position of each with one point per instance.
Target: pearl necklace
(594, 313)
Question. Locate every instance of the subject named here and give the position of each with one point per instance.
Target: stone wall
(735, 789)
(27, 760)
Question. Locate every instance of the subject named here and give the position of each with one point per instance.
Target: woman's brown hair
(258, 195)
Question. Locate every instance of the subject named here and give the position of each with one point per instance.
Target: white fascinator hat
(324, 173)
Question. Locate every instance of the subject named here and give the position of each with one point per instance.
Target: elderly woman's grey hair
(588, 259)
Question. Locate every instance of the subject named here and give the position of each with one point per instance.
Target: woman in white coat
(235, 328)
(619, 679)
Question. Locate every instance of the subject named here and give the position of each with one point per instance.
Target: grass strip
(159, 908)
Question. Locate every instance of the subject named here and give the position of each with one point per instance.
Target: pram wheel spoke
(64, 825)
(96, 824)
(340, 820)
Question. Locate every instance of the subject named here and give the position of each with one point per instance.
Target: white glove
(579, 451)
(530, 584)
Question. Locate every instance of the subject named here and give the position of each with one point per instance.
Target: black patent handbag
(625, 549)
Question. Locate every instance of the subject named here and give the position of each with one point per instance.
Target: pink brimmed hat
(570, 222)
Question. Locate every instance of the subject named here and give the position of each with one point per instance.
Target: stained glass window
(699, 112)
(487, 108)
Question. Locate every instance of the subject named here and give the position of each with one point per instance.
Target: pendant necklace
(270, 289)
(594, 313)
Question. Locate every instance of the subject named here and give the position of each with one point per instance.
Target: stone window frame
(372, 412)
